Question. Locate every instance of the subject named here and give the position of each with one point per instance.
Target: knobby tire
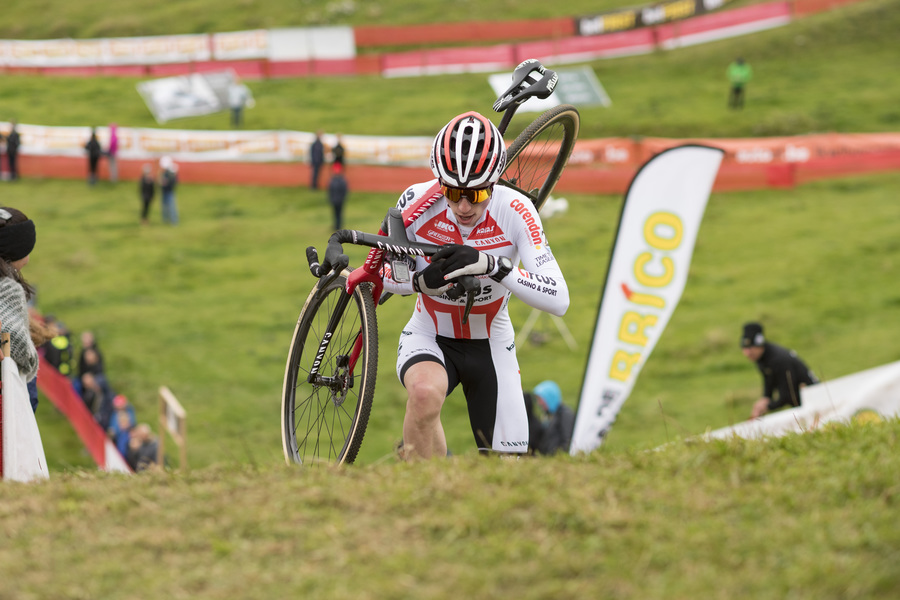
(537, 157)
(324, 421)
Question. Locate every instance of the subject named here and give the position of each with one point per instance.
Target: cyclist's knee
(425, 397)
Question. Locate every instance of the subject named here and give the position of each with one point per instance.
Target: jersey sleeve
(539, 281)
(410, 200)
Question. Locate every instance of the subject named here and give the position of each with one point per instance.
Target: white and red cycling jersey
(481, 354)
(510, 226)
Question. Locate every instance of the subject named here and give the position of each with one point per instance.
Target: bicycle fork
(341, 381)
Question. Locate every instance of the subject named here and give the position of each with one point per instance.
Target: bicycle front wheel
(329, 380)
(537, 157)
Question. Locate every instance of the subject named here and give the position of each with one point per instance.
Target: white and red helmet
(468, 152)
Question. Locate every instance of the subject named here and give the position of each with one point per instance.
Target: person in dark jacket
(337, 152)
(12, 151)
(147, 188)
(784, 373)
(316, 160)
(143, 447)
(337, 193)
(94, 152)
(59, 350)
(556, 433)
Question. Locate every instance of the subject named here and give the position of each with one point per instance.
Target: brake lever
(318, 270)
(469, 285)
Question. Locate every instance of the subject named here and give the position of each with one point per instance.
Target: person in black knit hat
(784, 373)
(17, 239)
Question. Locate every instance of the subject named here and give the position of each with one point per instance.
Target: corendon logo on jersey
(534, 230)
(440, 231)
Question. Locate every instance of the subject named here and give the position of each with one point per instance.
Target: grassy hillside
(824, 73)
(95, 18)
(207, 308)
(811, 517)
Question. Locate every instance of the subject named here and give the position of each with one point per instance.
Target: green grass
(807, 516)
(50, 19)
(824, 73)
(207, 309)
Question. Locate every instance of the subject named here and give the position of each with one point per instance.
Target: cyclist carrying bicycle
(486, 231)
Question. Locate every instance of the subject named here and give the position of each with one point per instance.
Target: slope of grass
(808, 517)
(207, 308)
(823, 73)
(94, 18)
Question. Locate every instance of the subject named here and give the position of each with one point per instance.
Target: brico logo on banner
(648, 271)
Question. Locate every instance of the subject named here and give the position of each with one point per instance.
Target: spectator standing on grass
(142, 448)
(739, 75)
(17, 240)
(13, 142)
(783, 372)
(168, 181)
(112, 152)
(238, 94)
(557, 428)
(337, 152)
(337, 194)
(147, 189)
(93, 153)
(316, 160)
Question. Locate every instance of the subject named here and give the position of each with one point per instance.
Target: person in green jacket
(739, 74)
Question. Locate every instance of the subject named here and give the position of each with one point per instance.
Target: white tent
(876, 390)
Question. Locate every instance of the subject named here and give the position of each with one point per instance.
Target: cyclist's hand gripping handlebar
(335, 259)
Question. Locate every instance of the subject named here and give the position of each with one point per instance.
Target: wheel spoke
(326, 409)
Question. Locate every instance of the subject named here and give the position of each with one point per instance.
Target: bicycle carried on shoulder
(329, 380)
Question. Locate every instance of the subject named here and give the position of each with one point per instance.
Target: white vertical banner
(648, 270)
(23, 450)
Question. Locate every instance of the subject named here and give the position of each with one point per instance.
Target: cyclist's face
(466, 213)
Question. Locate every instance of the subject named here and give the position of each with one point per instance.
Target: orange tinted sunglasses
(454, 195)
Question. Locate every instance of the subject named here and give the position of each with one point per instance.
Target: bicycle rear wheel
(329, 380)
(537, 157)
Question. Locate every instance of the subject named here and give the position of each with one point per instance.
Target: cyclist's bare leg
(426, 388)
